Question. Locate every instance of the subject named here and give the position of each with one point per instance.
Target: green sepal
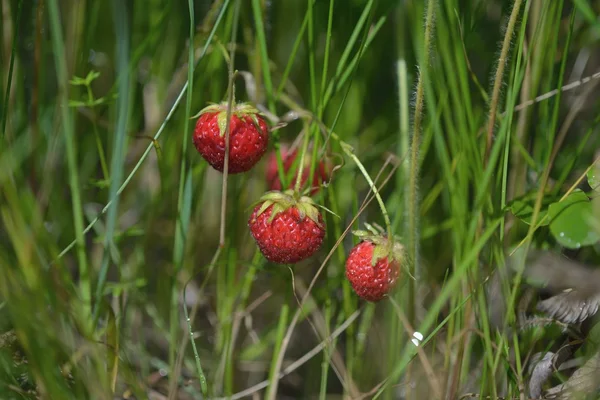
(379, 252)
(211, 108)
(393, 251)
(383, 249)
(239, 109)
(326, 209)
(281, 201)
(222, 122)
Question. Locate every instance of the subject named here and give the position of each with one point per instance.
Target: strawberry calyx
(384, 248)
(238, 109)
(282, 201)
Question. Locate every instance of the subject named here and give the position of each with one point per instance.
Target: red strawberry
(287, 229)
(320, 175)
(248, 139)
(373, 266)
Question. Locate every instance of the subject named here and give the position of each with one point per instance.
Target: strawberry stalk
(298, 182)
(388, 225)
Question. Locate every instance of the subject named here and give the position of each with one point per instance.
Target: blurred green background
(95, 111)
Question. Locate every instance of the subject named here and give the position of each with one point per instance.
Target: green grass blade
(69, 138)
(155, 137)
(262, 43)
(4, 115)
(122, 31)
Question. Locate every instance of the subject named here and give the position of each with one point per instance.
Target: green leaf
(91, 76)
(593, 177)
(77, 81)
(571, 221)
(522, 208)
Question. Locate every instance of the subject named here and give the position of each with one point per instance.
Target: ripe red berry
(320, 175)
(373, 267)
(286, 229)
(248, 138)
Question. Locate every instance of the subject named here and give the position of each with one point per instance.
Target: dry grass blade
(299, 362)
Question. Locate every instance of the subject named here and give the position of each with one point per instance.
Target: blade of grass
(298, 363)
(433, 311)
(326, 355)
(262, 42)
(122, 33)
(69, 138)
(230, 101)
(4, 115)
(273, 371)
(184, 199)
(292, 57)
(154, 138)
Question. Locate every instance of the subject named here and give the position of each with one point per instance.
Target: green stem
(113, 200)
(388, 225)
(260, 32)
(103, 164)
(181, 225)
(230, 105)
(283, 317)
(500, 73)
(122, 37)
(11, 67)
(326, 352)
(298, 182)
(69, 137)
(413, 190)
(201, 376)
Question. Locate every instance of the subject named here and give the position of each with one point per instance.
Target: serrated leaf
(571, 221)
(593, 177)
(595, 222)
(522, 208)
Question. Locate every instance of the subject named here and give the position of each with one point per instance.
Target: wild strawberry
(373, 266)
(287, 229)
(248, 138)
(320, 175)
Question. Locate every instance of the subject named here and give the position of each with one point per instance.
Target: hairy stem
(412, 197)
(510, 28)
